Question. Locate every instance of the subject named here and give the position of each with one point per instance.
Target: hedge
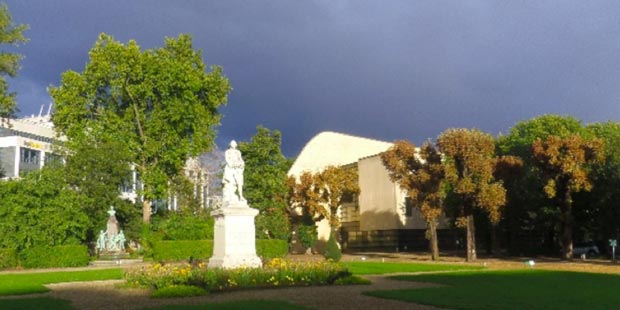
(271, 248)
(56, 256)
(175, 250)
(8, 258)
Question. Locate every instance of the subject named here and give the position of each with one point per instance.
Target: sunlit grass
(513, 290)
(28, 283)
(362, 268)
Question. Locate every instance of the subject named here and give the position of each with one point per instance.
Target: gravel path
(104, 295)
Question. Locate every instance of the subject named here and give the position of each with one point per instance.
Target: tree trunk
(567, 226)
(495, 243)
(433, 242)
(146, 211)
(471, 239)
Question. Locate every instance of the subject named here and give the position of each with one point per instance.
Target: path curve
(97, 295)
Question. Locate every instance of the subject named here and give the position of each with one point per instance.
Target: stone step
(112, 262)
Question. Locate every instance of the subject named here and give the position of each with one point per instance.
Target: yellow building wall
(382, 202)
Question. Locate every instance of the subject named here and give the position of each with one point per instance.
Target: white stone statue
(101, 241)
(120, 241)
(111, 212)
(233, 175)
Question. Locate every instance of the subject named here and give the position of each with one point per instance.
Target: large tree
(422, 175)
(470, 163)
(319, 195)
(564, 165)
(12, 34)
(161, 104)
(530, 220)
(97, 170)
(265, 182)
(596, 214)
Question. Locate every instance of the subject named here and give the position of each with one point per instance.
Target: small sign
(613, 243)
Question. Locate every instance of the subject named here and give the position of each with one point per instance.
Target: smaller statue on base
(111, 242)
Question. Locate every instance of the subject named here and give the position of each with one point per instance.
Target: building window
(29, 156)
(408, 206)
(52, 158)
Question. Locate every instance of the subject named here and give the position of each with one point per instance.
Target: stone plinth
(234, 243)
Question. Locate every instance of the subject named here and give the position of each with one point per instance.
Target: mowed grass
(35, 304)
(362, 268)
(28, 283)
(239, 305)
(514, 289)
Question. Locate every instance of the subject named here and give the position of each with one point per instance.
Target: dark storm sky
(386, 69)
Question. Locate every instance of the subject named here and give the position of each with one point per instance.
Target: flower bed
(275, 273)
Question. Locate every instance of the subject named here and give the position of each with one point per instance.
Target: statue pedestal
(234, 243)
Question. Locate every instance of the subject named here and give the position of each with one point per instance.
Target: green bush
(272, 248)
(56, 256)
(175, 250)
(184, 226)
(307, 235)
(8, 258)
(332, 251)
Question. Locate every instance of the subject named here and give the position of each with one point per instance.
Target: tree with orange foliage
(319, 195)
(421, 174)
(564, 165)
(469, 166)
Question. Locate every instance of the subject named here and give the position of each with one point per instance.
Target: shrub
(182, 226)
(8, 258)
(182, 249)
(56, 256)
(332, 251)
(275, 273)
(307, 235)
(272, 248)
(176, 250)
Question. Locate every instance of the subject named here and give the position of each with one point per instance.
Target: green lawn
(361, 268)
(515, 289)
(35, 304)
(28, 283)
(239, 305)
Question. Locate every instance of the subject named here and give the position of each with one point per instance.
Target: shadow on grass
(513, 290)
(35, 304)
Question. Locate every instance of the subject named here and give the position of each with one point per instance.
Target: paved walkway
(105, 295)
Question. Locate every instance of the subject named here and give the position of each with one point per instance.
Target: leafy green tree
(469, 166)
(41, 210)
(12, 34)
(530, 219)
(160, 104)
(265, 182)
(422, 175)
(597, 215)
(96, 170)
(564, 166)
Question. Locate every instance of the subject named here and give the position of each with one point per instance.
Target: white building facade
(381, 217)
(26, 144)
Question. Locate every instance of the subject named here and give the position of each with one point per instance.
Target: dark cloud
(382, 69)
